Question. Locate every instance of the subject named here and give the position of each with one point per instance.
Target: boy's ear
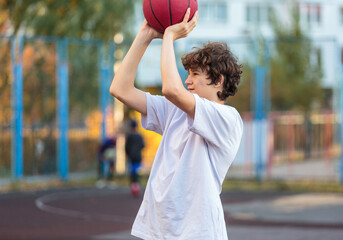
(220, 82)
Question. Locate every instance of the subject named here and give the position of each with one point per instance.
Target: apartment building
(240, 22)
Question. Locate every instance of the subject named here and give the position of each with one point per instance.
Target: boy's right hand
(149, 32)
(182, 29)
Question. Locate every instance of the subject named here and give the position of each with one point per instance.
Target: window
(310, 13)
(252, 13)
(316, 57)
(213, 12)
(258, 13)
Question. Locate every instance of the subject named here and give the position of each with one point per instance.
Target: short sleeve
(219, 125)
(155, 118)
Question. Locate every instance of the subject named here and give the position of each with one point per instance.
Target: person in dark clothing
(106, 158)
(133, 148)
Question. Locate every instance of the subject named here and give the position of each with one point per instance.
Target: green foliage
(72, 18)
(88, 19)
(5, 80)
(83, 81)
(241, 101)
(295, 68)
(100, 19)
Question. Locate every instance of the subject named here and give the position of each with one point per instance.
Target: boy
(200, 135)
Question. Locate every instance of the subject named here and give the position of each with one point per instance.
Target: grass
(228, 185)
(282, 185)
(23, 186)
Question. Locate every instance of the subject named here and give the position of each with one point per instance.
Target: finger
(195, 17)
(186, 17)
(194, 20)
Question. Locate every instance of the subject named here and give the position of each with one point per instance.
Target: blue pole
(259, 117)
(341, 108)
(19, 121)
(13, 110)
(19, 74)
(17, 109)
(182, 72)
(103, 87)
(62, 109)
(105, 73)
(267, 75)
(58, 114)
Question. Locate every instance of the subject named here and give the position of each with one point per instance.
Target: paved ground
(316, 169)
(90, 213)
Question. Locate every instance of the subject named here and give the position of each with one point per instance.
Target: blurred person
(106, 160)
(200, 134)
(133, 147)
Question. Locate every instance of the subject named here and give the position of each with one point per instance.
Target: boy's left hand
(182, 29)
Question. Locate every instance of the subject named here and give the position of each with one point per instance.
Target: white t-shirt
(181, 200)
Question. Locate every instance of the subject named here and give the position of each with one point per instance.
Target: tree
(241, 100)
(295, 69)
(99, 19)
(295, 77)
(87, 19)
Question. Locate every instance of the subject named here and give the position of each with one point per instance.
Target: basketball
(160, 14)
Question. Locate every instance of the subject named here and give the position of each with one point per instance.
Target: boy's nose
(188, 81)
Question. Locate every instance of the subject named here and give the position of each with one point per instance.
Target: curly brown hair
(216, 59)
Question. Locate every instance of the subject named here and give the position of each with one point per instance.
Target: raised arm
(122, 86)
(172, 87)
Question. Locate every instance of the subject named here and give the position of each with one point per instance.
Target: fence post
(104, 87)
(341, 110)
(17, 108)
(62, 109)
(260, 73)
(268, 116)
(104, 98)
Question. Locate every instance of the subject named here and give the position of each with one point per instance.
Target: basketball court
(108, 213)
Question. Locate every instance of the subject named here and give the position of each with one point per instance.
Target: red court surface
(90, 213)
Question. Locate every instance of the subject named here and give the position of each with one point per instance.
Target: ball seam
(155, 15)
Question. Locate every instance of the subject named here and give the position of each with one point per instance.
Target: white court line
(42, 204)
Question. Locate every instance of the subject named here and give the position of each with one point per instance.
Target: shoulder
(153, 98)
(220, 109)
(231, 110)
(157, 100)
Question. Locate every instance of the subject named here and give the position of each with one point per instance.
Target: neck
(220, 101)
(216, 99)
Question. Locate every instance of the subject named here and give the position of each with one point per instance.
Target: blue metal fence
(260, 90)
(259, 100)
(17, 107)
(62, 97)
(341, 108)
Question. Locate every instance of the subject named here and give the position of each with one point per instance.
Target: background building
(236, 21)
